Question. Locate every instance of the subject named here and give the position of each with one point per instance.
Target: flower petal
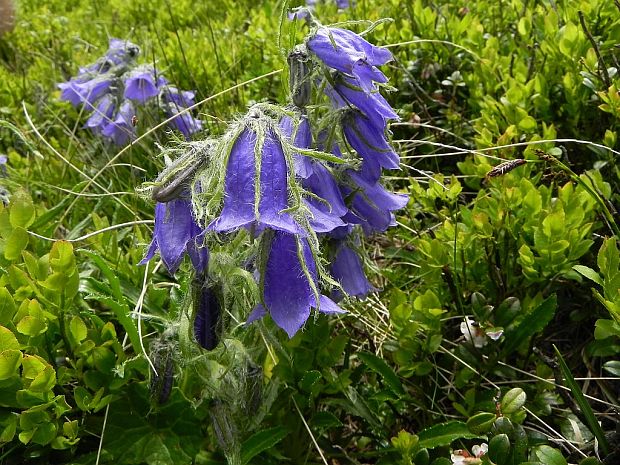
(239, 190)
(288, 295)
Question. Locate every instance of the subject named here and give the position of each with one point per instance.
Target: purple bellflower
(176, 233)
(373, 105)
(103, 84)
(372, 205)
(303, 140)
(185, 123)
(102, 114)
(242, 190)
(347, 52)
(289, 290)
(121, 130)
(371, 144)
(180, 98)
(79, 91)
(346, 268)
(140, 84)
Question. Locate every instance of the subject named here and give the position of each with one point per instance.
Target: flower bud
(207, 315)
(223, 426)
(299, 76)
(162, 381)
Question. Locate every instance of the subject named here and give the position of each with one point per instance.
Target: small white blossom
(463, 457)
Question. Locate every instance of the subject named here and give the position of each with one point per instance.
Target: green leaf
(32, 326)
(46, 218)
(325, 420)
(8, 341)
(581, 401)
(527, 124)
(549, 456)
(309, 379)
(608, 258)
(613, 367)
(261, 441)
(160, 437)
(379, 366)
(62, 259)
(121, 311)
(513, 400)
(78, 329)
(9, 362)
(15, 243)
(22, 210)
(499, 449)
(7, 306)
(534, 322)
(588, 273)
(481, 422)
(444, 434)
(110, 276)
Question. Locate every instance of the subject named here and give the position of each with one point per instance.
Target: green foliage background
(533, 253)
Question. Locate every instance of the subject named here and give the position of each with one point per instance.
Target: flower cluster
(111, 88)
(302, 13)
(303, 182)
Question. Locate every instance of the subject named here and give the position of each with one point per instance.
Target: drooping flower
(181, 98)
(301, 139)
(347, 52)
(79, 91)
(140, 84)
(176, 233)
(346, 268)
(372, 204)
(372, 104)
(290, 284)
(115, 75)
(371, 144)
(121, 130)
(242, 190)
(322, 183)
(102, 114)
(185, 122)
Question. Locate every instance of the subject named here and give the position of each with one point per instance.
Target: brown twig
(601, 62)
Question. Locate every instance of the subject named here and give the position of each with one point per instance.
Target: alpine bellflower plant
(282, 200)
(112, 89)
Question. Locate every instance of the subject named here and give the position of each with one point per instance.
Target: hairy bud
(299, 76)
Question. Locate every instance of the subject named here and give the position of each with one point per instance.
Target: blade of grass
(580, 400)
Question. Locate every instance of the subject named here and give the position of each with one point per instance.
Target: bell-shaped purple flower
(346, 268)
(288, 293)
(370, 143)
(349, 53)
(185, 123)
(79, 91)
(240, 188)
(176, 233)
(303, 140)
(140, 84)
(372, 204)
(322, 183)
(373, 105)
(121, 51)
(180, 98)
(121, 130)
(102, 114)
